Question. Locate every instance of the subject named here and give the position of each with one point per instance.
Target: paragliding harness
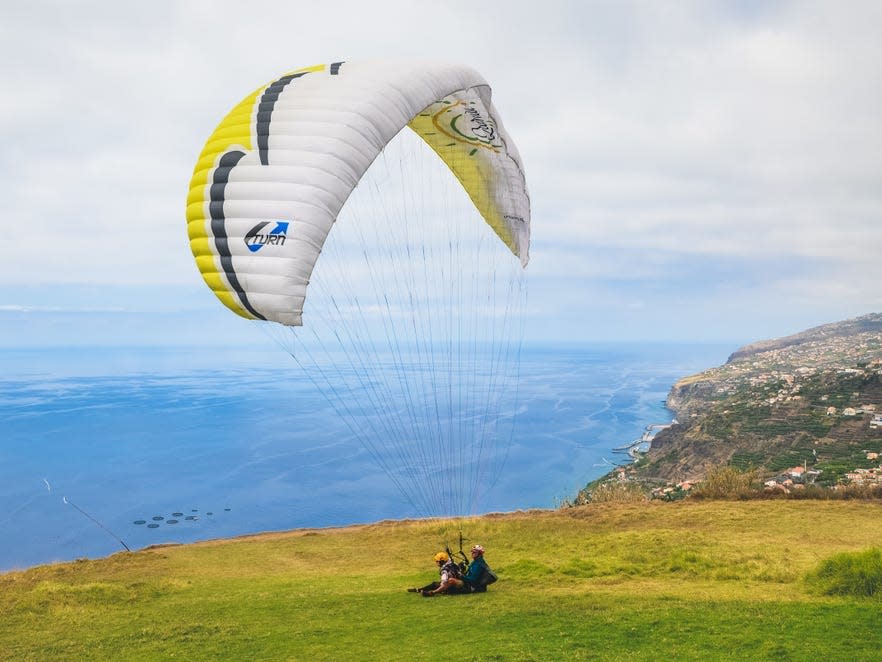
(464, 564)
(486, 577)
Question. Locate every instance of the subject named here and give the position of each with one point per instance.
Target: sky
(698, 171)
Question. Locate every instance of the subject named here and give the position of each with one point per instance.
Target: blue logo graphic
(257, 239)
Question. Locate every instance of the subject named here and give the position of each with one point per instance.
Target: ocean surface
(105, 448)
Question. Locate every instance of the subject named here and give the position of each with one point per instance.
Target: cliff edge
(812, 399)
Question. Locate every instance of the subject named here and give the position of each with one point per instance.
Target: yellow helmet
(441, 556)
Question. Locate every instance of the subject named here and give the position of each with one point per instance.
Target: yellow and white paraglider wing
(465, 131)
(277, 170)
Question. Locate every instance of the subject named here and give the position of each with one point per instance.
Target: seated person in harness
(451, 579)
(476, 578)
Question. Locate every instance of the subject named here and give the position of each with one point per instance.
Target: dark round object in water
(153, 526)
(177, 514)
(226, 510)
(140, 521)
(191, 517)
(209, 513)
(171, 521)
(194, 510)
(158, 518)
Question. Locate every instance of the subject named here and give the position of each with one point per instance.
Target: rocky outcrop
(810, 397)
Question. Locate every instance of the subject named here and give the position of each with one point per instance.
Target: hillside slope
(688, 580)
(859, 328)
(809, 399)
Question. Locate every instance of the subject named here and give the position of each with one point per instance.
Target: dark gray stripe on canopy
(219, 179)
(265, 112)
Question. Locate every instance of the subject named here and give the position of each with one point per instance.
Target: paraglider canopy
(274, 175)
(412, 322)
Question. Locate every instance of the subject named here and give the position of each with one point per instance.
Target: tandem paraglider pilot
(452, 578)
(478, 575)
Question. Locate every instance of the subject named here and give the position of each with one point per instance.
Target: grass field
(688, 580)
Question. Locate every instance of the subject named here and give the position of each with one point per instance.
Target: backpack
(483, 580)
(487, 577)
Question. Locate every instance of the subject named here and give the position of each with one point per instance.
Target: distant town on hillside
(800, 410)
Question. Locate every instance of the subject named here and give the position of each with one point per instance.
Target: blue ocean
(106, 448)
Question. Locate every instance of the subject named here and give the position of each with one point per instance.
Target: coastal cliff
(813, 399)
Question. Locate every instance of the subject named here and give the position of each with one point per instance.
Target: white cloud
(15, 308)
(685, 131)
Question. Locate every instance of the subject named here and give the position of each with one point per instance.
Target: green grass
(850, 573)
(686, 580)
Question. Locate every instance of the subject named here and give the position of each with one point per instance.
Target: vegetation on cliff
(812, 400)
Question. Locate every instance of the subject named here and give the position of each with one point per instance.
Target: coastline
(136, 444)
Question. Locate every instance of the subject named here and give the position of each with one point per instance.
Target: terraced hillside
(813, 400)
